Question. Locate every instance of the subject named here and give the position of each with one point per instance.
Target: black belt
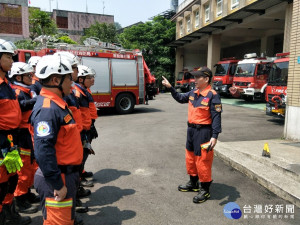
(197, 126)
(69, 169)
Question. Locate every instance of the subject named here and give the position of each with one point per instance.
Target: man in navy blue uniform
(204, 126)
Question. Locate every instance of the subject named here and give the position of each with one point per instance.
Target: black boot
(13, 217)
(203, 193)
(86, 174)
(192, 185)
(32, 198)
(80, 207)
(78, 220)
(81, 192)
(2, 218)
(86, 183)
(24, 206)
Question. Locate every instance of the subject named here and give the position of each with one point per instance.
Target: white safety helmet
(51, 64)
(74, 59)
(19, 68)
(84, 71)
(7, 47)
(34, 60)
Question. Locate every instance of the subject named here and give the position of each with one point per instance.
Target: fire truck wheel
(124, 103)
(248, 98)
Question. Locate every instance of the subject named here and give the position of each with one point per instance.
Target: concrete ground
(139, 163)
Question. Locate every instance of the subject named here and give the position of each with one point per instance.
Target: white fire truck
(123, 79)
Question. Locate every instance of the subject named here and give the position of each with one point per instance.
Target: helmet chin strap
(57, 86)
(83, 82)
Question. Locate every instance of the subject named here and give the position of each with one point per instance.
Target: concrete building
(14, 19)
(74, 23)
(208, 30)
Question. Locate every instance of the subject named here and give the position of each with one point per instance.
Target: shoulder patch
(213, 91)
(218, 108)
(46, 103)
(43, 129)
(68, 118)
(191, 98)
(77, 93)
(17, 92)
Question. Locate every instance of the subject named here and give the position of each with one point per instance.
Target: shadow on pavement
(107, 195)
(277, 121)
(113, 112)
(107, 175)
(224, 192)
(110, 215)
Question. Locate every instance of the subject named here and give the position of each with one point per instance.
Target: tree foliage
(118, 26)
(40, 23)
(152, 38)
(105, 32)
(26, 44)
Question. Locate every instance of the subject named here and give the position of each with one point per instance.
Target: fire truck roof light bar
(282, 54)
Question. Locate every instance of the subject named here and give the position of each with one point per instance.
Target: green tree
(26, 44)
(152, 38)
(118, 26)
(40, 23)
(105, 32)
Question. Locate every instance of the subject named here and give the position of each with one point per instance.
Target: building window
(219, 7)
(197, 19)
(188, 24)
(234, 4)
(181, 28)
(206, 13)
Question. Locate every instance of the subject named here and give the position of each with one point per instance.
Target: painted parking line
(243, 103)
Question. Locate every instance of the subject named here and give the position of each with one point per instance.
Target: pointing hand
(166, 83)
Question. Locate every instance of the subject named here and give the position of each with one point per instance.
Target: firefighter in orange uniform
(36, 85)
(57, 143)
(73, 104)
(20, 75)
(86, 76)
(10, 120)
(204, 126)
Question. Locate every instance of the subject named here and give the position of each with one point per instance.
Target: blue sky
(125, 12)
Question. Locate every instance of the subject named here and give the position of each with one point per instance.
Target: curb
(275, 185)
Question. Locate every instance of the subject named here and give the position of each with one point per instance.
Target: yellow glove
(12, 161)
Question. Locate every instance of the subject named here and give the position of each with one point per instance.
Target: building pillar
(213, 50)
(179, 61)
(292, 120)
(287, 27)
(267, 46)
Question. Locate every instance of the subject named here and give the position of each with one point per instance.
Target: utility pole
(50, 5)
(86, 6)
(103, 7)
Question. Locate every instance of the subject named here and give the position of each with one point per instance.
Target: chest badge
(68, 118)
(191, 98)
(205, 101)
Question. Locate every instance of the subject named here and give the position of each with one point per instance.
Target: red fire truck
(223, 77)
(250, 77)
(185, 81)
(123, 79)
(277, 84)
